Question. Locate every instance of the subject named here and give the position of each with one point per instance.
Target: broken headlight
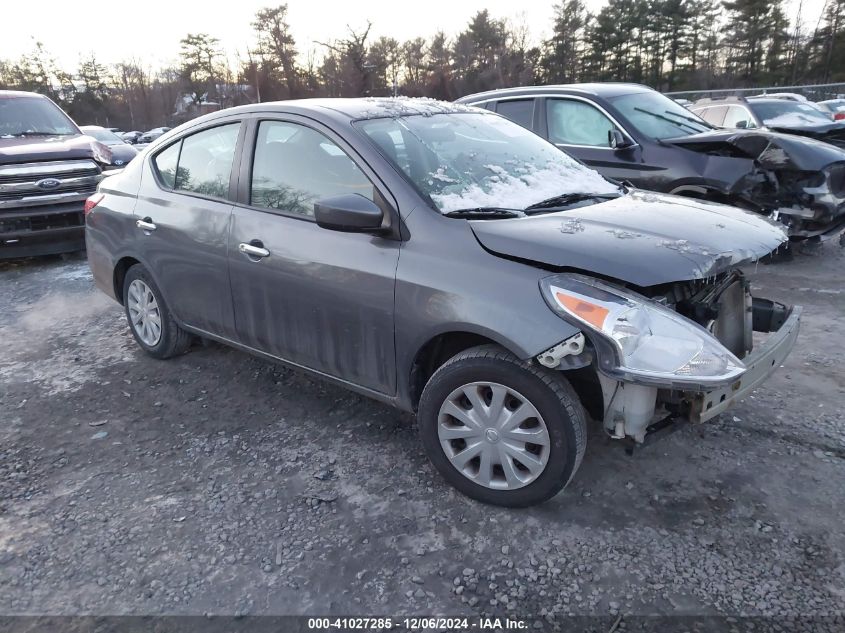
(651, 342)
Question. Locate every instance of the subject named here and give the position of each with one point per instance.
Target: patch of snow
(571, 226)
(75, 273)
(410, 106)
(440, 175)
(774, 156)
(520, 188)
(624, 235)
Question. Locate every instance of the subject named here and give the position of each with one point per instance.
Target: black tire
(548, 392)
(173, 340)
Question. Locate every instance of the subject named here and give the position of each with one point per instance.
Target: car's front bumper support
(761, 364)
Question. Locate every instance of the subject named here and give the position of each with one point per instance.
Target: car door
(582, 129)
(182, 220)
(315, 297)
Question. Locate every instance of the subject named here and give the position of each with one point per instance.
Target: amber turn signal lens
(593, 314)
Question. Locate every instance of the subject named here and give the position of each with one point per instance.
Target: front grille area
(85, 188)
(42, 222)
(47, 183)
(27, 177)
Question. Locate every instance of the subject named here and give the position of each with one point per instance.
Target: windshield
(21, 116)
(657, 116)
(474, 160)
(788, 113)
(103, 135)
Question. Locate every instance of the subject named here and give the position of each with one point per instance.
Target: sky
(150, 30)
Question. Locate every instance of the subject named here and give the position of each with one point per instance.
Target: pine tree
(562, 57)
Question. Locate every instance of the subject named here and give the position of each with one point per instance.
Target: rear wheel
(150, 320)
(502, 430)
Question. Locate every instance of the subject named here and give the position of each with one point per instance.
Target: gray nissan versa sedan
(447, 261)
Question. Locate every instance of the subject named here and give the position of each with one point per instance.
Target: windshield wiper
(481, 213)
(667, 119)
(32, 133)
(569, 198)
(690, 119)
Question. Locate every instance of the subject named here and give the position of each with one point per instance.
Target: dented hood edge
(643, 238)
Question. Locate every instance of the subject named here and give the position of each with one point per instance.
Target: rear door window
(165, 163)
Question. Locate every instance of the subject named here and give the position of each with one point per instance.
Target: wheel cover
(144, 313)
(493, 435)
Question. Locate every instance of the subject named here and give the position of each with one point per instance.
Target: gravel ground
(218, 483)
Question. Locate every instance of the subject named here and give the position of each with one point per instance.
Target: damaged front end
(677, 351)
(798, 181)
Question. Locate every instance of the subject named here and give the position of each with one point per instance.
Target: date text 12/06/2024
(417, 624)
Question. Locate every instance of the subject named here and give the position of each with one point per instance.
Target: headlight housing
(650, 342)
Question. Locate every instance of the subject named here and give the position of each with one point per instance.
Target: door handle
(146, 224)
(253, 250)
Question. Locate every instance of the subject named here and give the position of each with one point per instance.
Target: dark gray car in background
(632, 133)
(444, 260)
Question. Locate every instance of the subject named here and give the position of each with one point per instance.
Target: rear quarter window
(520, 111)
(165, 164)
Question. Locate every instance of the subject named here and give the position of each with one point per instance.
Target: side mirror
(350, 213)
(742, 124)
(617, 140)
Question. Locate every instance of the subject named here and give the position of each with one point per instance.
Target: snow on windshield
(792, 119)
(474, 159)
(789, 114)
(521, 186)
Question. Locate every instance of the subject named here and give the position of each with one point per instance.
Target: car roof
(772, 100)
(794, 96)
(605, 90)
(17, 94)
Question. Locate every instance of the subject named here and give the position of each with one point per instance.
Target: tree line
(667, 44)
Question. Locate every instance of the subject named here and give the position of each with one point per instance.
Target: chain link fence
(813, 92)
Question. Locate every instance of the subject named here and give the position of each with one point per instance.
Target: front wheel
(502, 430)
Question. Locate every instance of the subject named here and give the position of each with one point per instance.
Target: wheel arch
(122, 267)
(439, 348)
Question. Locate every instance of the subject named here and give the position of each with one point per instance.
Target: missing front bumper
(760, 364)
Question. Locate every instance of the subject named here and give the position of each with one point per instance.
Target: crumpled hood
(38, 148)
(769, 149)
(642, 238)
(833, 132)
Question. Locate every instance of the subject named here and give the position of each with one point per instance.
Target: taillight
(92, 202)
(838, 116)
